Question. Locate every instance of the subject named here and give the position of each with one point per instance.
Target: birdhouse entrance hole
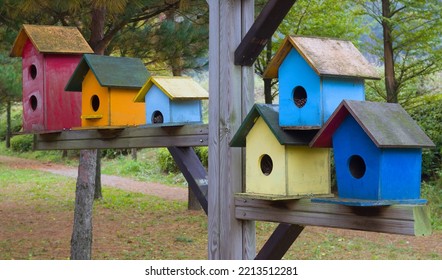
(95, 103)
(157, 117)
(357, 166)
(266, 164)
(33, 102)
(299, 96)
(33, 71)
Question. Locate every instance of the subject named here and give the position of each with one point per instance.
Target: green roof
(270, 114)
(110, 71)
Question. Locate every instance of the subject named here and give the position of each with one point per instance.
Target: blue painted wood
(386, 173)
(156, 100)
(336, 89)
(369, 203)
(186, 111)
(173, 111)
(295, 71)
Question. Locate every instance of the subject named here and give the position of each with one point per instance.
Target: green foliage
(429, 117)
(22, 143)
(167, 163)
(16, 122)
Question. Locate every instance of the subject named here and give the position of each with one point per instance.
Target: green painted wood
(121, 138)
(397, 219)
(270, 114)
(110, 71)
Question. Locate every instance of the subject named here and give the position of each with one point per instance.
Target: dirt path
(155, 189)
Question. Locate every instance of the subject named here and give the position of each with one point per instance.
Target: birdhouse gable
(387, 124)
(110, 71)
(50, 39)
(327, 57)
(270, 115)
(176, 88)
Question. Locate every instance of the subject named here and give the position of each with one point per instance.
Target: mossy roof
(51, 39)
(110, 71)
(270, 114)
(387, 124)
(327, 57)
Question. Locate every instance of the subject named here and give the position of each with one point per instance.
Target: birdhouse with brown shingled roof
(315, 75)
(49, 57)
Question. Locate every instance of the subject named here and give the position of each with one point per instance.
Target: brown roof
(51, 39)
(327, 57)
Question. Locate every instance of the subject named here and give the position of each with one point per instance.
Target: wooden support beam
(398, 219)
(194, 172)
(279, 242)
(124, 138)
(261, 31)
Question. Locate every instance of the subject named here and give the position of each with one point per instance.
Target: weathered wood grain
(119, 138)
(398, 219)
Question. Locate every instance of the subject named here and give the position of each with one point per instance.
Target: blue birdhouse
(378, 153)
(172, 100)
(315, 75)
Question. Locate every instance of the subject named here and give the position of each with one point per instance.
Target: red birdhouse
(50, 55)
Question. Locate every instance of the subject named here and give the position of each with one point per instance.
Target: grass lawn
(36, 214)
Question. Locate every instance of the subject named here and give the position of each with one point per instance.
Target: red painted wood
(46, 106)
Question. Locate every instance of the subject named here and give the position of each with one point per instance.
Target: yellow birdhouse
(279, 163)
(109, 85)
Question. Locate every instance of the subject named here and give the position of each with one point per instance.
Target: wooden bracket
(194, 172)
(261, 31)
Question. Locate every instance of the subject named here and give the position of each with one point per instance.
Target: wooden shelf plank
(397, 219)
(124, 138)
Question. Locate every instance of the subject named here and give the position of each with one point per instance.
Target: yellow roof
(327, 57)
(176, 87)
(51, 39)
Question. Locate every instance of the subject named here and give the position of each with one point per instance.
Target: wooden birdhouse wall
(337, 89)
(366, 172)
(156, 103)
(123, 111)
(95, 103)
(297, 81)
(257, 180)
(33, 89)
(186, 111)
(63, 109)
(280, 170)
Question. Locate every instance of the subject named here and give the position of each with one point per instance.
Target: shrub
(22, 143)
(429, 117)
(167, 163)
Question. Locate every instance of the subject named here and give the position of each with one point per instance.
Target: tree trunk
(81, 242)
(97, 193)
(97, 30)
(390, 79)
(134, 154)
(8, 124)
(268, 82)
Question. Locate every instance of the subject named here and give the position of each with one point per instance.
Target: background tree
(407, 42)
(312, 18)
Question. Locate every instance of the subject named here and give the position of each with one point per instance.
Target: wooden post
(231, 97)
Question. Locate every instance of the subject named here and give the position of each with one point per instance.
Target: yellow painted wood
(297, 170)
(123, 110)
(308, 171)
(260, 141)
(176, 87)
(116, 105)
(91, 87)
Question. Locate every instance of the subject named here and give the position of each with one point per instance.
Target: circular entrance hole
(266, 164)
(95, 103)
(33, 71)
(33, 102)
(157, 117)
(299, 96)
(357, 166)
